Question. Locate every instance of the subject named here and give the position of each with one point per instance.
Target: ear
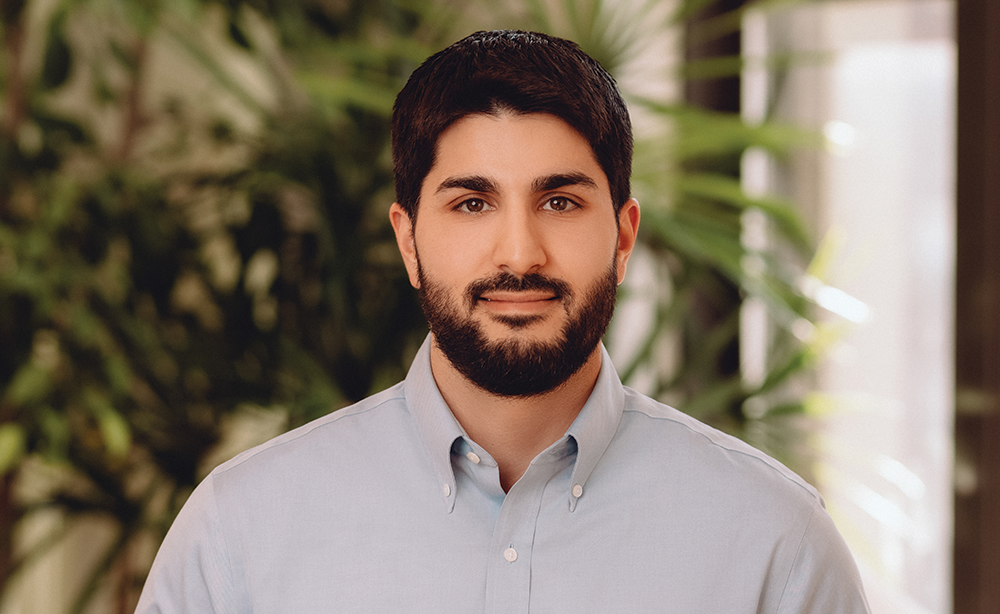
(628, 231)
(402, 225)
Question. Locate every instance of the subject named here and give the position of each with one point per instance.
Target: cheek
(450, 263)
(585, 253)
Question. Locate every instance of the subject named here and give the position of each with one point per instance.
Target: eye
(473, 205)
(559, 203)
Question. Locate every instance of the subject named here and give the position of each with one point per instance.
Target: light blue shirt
(387, 506)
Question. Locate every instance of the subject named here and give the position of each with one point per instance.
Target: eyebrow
(561, 180)
(473, 183)
(478, 183)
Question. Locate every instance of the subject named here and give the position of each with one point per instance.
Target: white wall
(882, 88)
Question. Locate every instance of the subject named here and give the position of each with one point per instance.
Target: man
(511, 471)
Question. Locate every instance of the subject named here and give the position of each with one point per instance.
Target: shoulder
(679, 444)
(383, 415)
(703, 479)
(734, 508)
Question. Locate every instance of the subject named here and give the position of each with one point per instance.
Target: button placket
(509, 571)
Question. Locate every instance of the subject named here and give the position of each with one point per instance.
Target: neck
(514, 430)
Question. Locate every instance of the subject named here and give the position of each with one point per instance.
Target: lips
(505, 289)
(518, 297)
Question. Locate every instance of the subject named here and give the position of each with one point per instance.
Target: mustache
(508, 282)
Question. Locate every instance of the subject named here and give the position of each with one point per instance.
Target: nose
(519, 248)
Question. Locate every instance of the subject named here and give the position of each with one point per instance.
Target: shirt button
(510, 554)
(446, 489)
(472, 456)
(578, 491)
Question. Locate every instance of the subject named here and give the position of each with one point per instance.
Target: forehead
(515, 146)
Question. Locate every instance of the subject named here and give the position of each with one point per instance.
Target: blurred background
(195, 256)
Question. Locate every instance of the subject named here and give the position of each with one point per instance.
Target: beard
(516, 366)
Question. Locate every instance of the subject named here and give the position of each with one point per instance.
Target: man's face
(517, 254)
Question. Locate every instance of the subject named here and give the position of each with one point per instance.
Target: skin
(521, 194)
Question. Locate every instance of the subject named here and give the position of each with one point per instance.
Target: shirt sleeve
(191, 571)
(824, 578)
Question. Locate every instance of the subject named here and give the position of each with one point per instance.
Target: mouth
(528, 295)
(518, 297)
(517, 302)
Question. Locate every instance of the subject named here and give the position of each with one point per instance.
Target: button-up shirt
(388, 506)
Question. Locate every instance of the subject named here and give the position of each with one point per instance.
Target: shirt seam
(227, 548)
(304, 430)
(786, 474)
(798, 552)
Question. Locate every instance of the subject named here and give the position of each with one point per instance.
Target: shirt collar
(595, 426)
(436, 425)
(591, 431)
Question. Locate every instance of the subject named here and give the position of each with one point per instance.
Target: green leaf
(714, 399)
(705, 134)
(697, 236)
(13, 446)
(785, 409)
(687, 9)
(344, 92)
(116, 432)
(189, 40)
(61, 204)
(86, 326)
(114, 429)
(30, 384)
(118, 372)
(728, 190)
(56, 435)
(713, 68)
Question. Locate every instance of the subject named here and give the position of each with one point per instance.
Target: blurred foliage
(193, 200)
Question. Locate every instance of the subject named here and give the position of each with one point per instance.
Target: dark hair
(522, 72)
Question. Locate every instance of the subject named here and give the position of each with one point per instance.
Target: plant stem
(13, 48)
(133, 119)
(11, 12)
(8, 518)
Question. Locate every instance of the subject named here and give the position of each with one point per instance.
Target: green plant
(174, 247)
